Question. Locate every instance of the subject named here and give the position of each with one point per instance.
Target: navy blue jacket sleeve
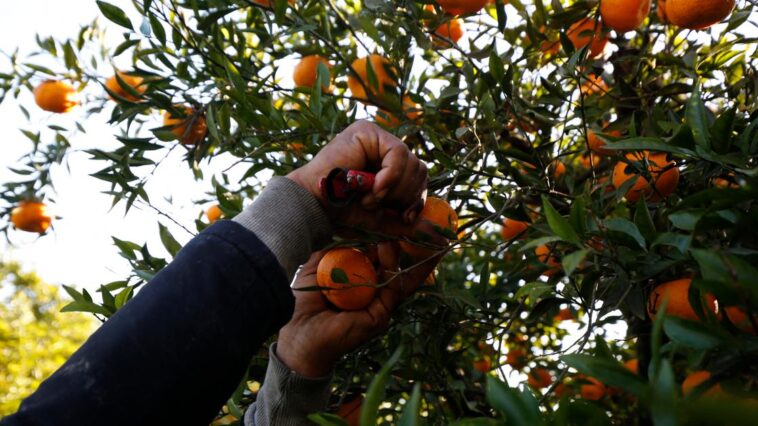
(174, 353)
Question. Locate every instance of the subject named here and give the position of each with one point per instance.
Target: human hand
(400, 183)
(317, 335)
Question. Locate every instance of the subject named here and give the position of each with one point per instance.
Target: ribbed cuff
(286, 398)
(290, 221)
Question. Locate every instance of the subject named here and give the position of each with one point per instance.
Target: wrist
(306, 363)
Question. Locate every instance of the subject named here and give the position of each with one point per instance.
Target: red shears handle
(341, 186)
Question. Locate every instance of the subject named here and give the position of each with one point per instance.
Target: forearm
(287, 398)
(176, 351)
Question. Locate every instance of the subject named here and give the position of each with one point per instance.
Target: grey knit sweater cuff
(286, 398)
(290, 221)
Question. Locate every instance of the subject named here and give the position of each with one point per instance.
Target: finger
(306, 275)
(386, 151)
(388, 254)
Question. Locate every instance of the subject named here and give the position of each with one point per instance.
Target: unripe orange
(31, 216)
(55, 96)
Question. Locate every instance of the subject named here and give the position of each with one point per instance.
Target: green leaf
(114, 14)
(663, 398)
(339, 276)
(375, 391)
(697, 120)
(686, 220)
(608, 371)
(410, 416)
(158, 31)
(721, 131)
(578, 215)
(558, 224)
(649, 144)
(86, 306)
(327, 419)
(534, 290)
(171, 245)
(691, 334)
(625, 226)
(644, 220)
(518, 408)
(571, 261)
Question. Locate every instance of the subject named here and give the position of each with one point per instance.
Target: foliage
(35, 337)
(498, 113)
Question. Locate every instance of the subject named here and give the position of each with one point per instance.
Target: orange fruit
(190, 130)
(133, 81)
(306, 71)
(564, 314)
(483, 365)
(558, 168)
(632, 365)
(462, 7)
(585, 161)
(664, 173)
(516, 358)
(596, 144)
(55, 96)
(513, 228)
(445, 221)
(578, 34)
(593, 84)
(270, 3)
(739, 318)
(694, 380)
(539, 378)
(661, 11)
(31, 216)
(350, 411)
(451, 30)
(560, 390)
(723, 182)
(214, 213)
(677, 293)
(697, 14)
(594, 390)
(383, 71)
(411, 110)
(624, 15)
(544, 256)
(551, 46)
(349, 278)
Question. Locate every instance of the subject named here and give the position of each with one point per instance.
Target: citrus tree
(35, 336)
(600, 159)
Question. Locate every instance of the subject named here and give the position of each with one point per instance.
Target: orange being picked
(306, 71)
(358, 81)
(512, 228)
(445, 221)
(411, 110)
(462, 7)
(663, 171)
(348, 277)
(190, 129)
(695, 379)
(133, 81)
(677, 293)
(624, 15)
(350, 411)
(214, 213)
(696, 14)
(451, 30)
(539, 378)
(596, 144)
(31, 216)
(544, 255)
(55, 96)
(586, 31)
(516, 358)
(592, 391)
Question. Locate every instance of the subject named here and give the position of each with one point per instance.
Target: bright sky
(80, 252)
